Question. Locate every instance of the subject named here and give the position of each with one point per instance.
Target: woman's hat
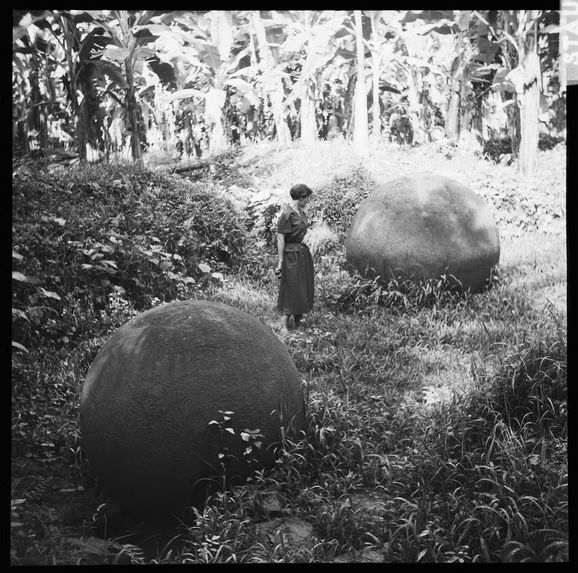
(300, 191)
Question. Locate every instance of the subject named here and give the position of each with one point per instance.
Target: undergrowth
(437, 419)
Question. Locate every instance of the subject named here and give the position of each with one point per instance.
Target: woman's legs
(285, 324)
(290, 321)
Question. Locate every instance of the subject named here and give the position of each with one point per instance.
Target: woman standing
(295, 266)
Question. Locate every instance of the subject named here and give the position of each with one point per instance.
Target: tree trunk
(477, 118)
(273, 85)
(529, 102)
(80, 122)
(466, 114)
(458, 70)
(35, 123)
(513, 115)
(526, 78)
(453, 115)
(82, 131)
(214, 103)
(132, 113)
(281, 127)
(376, 62)
(414, 106)
(308, 120)
(22, 136)
(218, 140)
(360, 129)
(376, 125)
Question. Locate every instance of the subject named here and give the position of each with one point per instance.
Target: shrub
(336, 203)
(226, 168)
(547, 141)
(496, 148)
(85, 234)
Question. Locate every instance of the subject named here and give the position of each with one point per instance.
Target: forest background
(151, 154)
(189, 84)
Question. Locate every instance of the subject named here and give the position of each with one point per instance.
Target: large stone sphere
(154, 388)
(423, 227)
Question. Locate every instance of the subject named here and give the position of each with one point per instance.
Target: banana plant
(125, 53)
(360, 133)
(499, 48)
(45, 50)
(403, 50)
(205, 50)
(474, 61)
(272, 75)
(316, 36)
(377, 52)
(30, 53)
(385, 28)
(472, 58)
(288, 41)
(83, 76)
(421, 58)
(517, 30)
(87, 77)
(215, 51)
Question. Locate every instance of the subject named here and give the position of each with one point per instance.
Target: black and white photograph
(290, 286)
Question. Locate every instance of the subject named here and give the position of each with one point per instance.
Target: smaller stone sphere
(423, 227)
(166, 392)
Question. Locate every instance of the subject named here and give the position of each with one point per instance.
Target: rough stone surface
(422, 227)
(156, 384)
(299, 533)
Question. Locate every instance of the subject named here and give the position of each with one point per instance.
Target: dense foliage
(120, 230)
(108, 83)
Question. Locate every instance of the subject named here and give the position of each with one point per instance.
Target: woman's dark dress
(296, 288)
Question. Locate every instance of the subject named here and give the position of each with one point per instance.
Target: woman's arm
(280, 250)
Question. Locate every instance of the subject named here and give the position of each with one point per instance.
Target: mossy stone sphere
(154, 388)
(422, 227)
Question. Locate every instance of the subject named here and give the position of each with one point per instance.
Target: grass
(436, 421)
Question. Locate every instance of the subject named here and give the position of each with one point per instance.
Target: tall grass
(447, 409)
